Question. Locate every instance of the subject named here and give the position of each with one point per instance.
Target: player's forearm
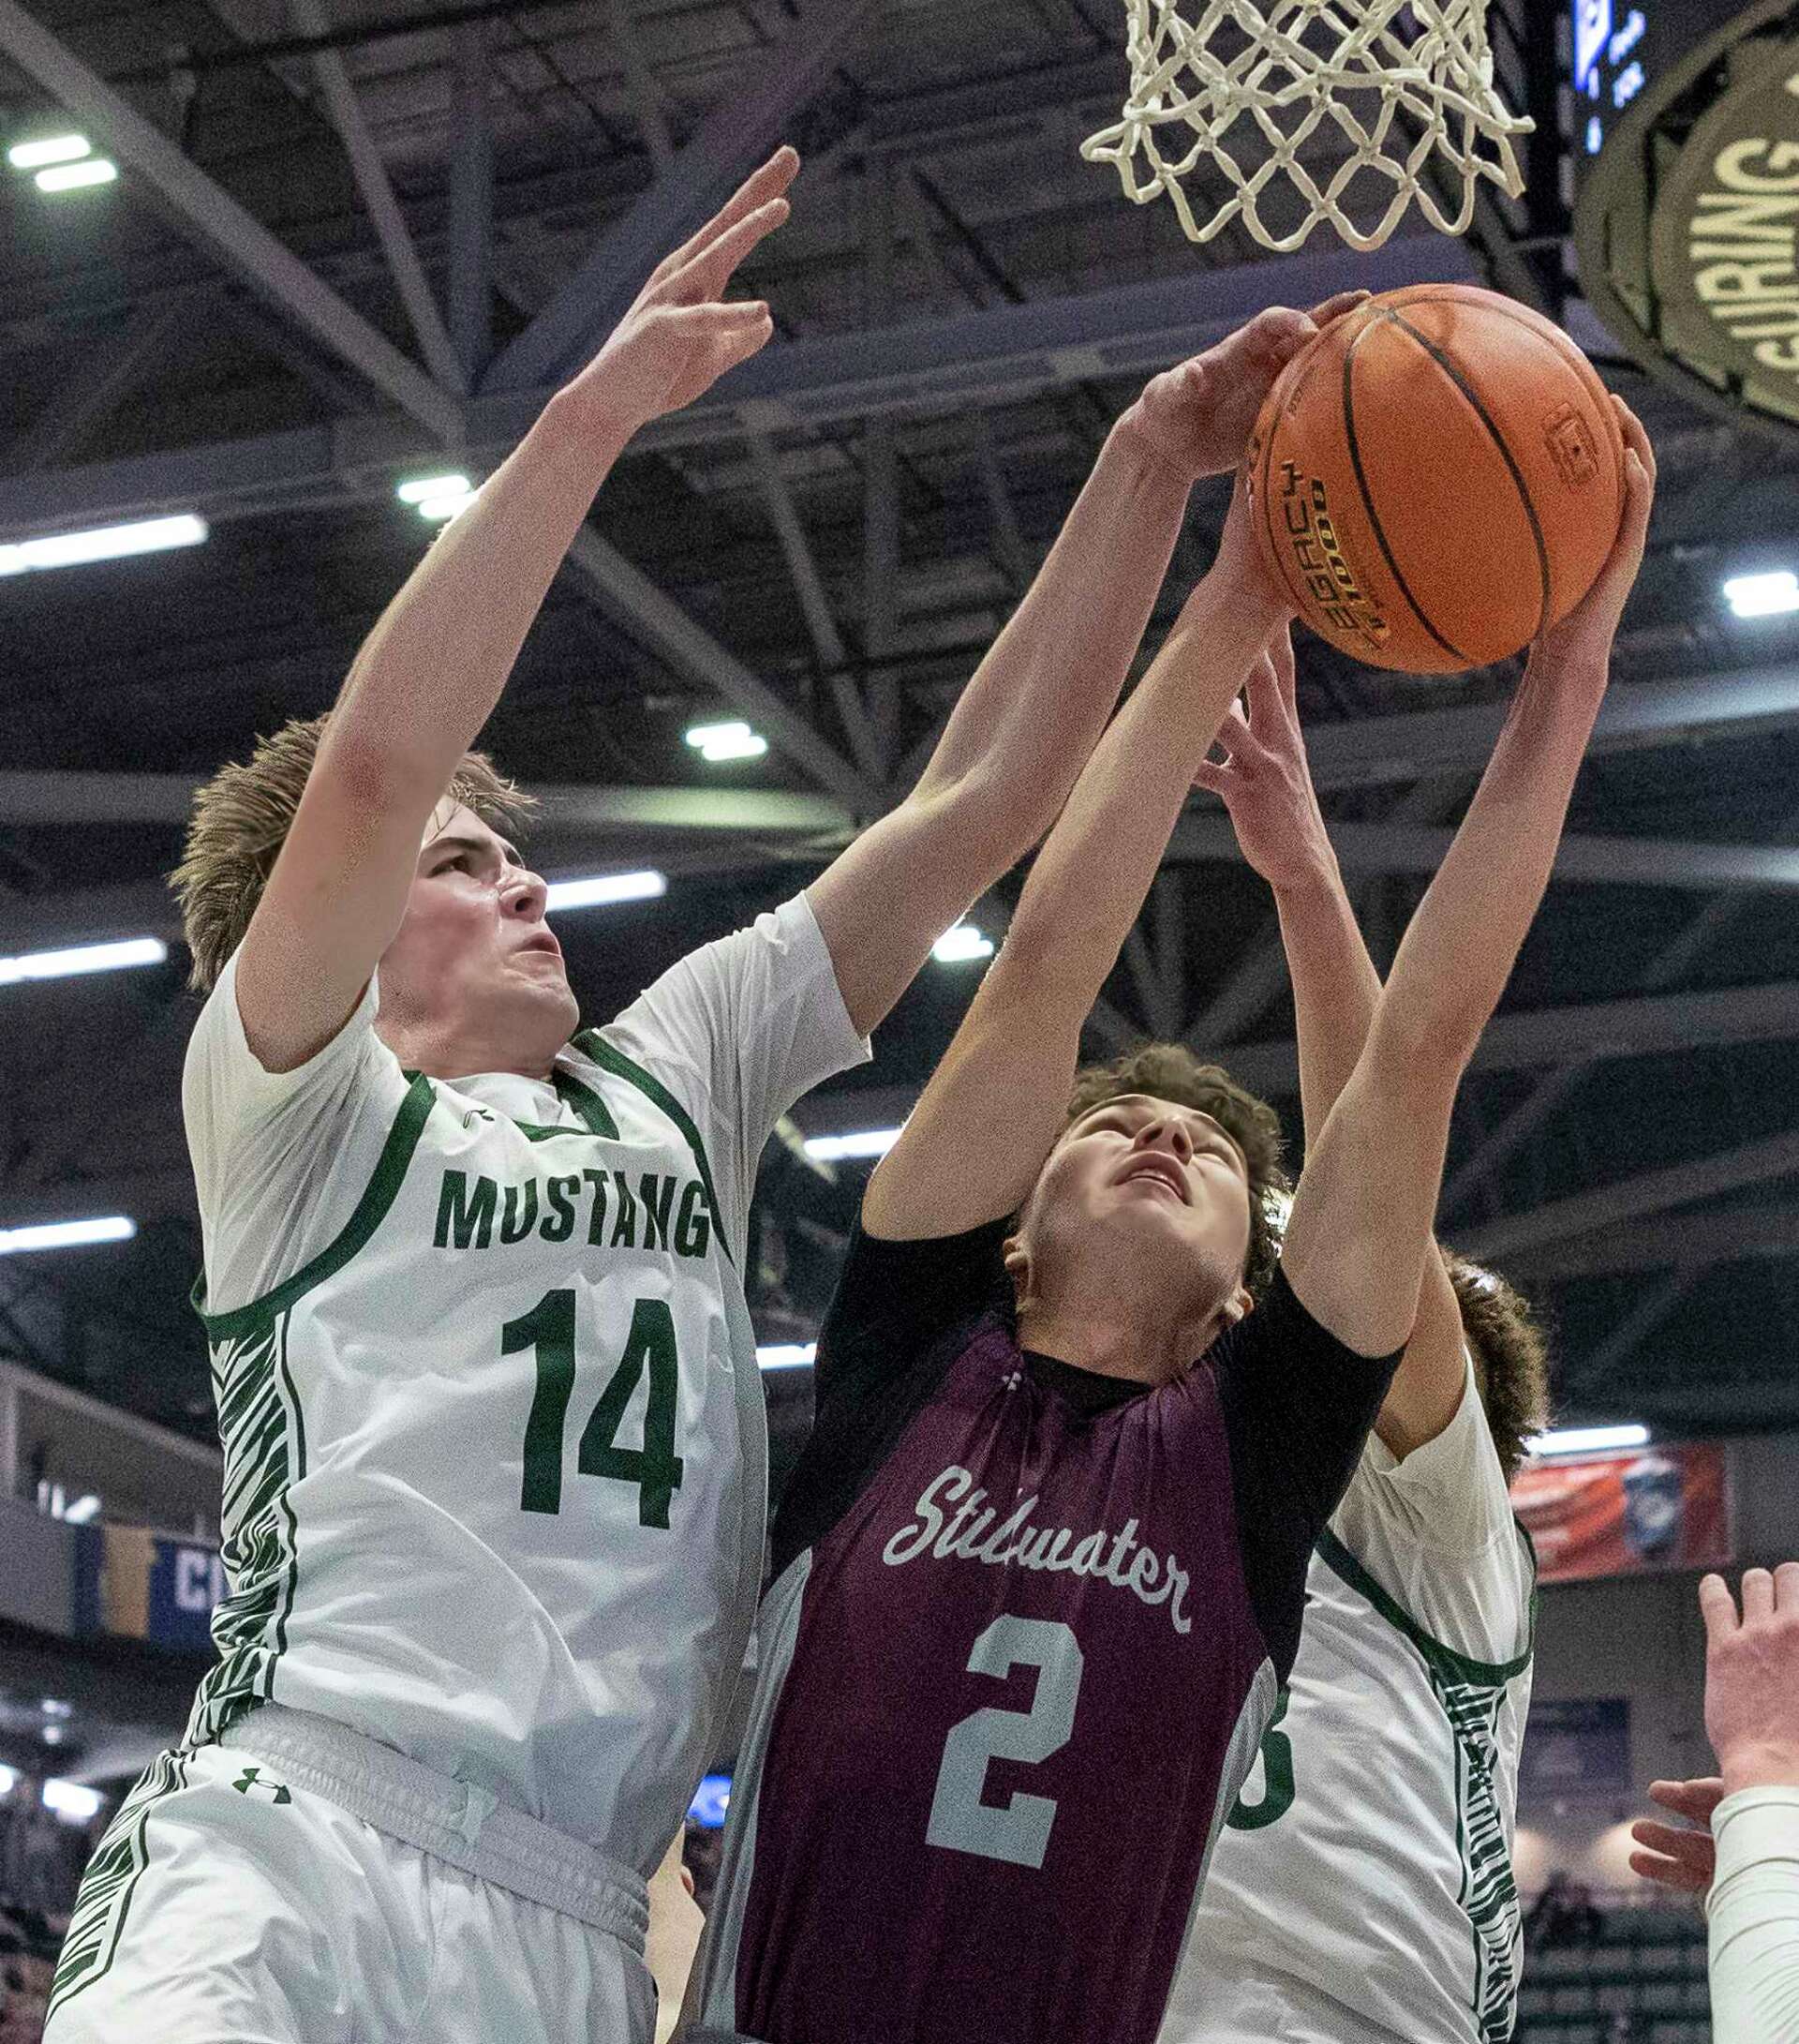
(1458, 952)
(1029, 717)
(429, 674)
(1753, 1918)
(1090, 879)
(1336, 989)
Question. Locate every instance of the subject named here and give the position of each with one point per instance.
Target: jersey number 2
(1018, 1831)
(548, 1331)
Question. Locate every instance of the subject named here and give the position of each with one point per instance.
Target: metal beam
(996, 354)
(471, 203)
(377, 187)
(728, 143)
(234, 235)
(99, 379)
(1588, 1373)
(646, 95)
(1656, 1243)
(1648, 1192)
(1606, 861)
(657, 621)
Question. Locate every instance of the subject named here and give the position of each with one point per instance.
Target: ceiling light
(1587, 1439)
(1770, 595)
(52, 1734)
(428, 486)
(83, 958)
(719, 742)
(84, 1507)
(441, 510)
(8, 1780)
(33, 156)
(72, 176)
(102, 543)
(74, 1800)
(603, 887)
(66, 1234)
(786, 1355)
(961, 945)
(858, 1142)
(53, 1706)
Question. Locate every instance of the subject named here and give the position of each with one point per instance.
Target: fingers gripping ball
(1437, 479)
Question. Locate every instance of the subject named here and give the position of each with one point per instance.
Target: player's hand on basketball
(1681, 1857)
(1584, 636)
(682, 334)
(1752, 1677)
(1264, 780)
(1197, 416)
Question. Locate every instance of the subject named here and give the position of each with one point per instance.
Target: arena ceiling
(353, 243)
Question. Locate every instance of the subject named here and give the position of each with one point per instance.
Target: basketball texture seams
(1437, 479)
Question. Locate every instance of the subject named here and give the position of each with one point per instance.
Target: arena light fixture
(421, 489)
(48, 149)
(719, 742)
(66, 1234)
(858, 1142)
(86, 1507)
(1562, 1440)
(8, 1780)
(103, 542)
(74, 1800)
(72, 176)
(599, 890)
(83, 958)
(1770, 595)
(51, 1734)
(786, 1355)
(961, 945)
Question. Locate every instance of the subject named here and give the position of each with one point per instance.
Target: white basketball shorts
(300, 1885)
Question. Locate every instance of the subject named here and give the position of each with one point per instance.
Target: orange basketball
(1436, 479)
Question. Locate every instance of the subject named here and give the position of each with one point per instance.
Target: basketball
(1437, 479)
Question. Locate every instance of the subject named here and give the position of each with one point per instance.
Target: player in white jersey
(1362, 1888)
(493, 1478)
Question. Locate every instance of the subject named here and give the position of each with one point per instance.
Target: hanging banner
(1631, 1514)
(147, 1586)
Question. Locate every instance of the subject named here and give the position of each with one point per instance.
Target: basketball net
(1405, 83)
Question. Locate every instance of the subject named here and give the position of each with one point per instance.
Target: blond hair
(241, 819)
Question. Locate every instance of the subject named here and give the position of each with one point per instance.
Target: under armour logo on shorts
(250, 1782)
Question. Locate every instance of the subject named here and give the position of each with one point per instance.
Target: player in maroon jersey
(1041, 1569)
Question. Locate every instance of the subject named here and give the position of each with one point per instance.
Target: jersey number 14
(548, 1331)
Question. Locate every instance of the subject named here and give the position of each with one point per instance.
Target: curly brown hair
(240, 822)
(1169, 1071)
(1512, 1351)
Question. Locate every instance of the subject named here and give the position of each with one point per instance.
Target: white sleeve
(280, 1158)
(1436, 1531)
(738, 1031)
(1753, 1917)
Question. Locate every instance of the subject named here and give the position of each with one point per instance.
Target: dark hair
(1511, 1353)
(1169, 1071)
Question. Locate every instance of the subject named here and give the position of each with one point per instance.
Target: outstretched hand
(1752, 1677)
(1198, 415)
(681, 333)
(1680, 1857)
(1265, 780)
(1584, 635)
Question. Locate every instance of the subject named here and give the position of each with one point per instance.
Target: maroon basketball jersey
(1003, 1701)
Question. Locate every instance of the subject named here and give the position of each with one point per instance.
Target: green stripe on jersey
(371, 1210)
(113, 1873)
(609, 1058)
(1442, 1660)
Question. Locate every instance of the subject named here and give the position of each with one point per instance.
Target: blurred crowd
(42, 1859)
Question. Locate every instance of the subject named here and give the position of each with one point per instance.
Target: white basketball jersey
(494, 1447)
(1362, 1888)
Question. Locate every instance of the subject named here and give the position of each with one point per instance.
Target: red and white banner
(1633, 1513)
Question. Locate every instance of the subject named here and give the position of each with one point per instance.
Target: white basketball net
(1402, 81)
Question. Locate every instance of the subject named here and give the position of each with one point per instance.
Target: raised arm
(1031, 714)
(1360, 1226)
(1265, 783)
(992, 1109)
(429, 674)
